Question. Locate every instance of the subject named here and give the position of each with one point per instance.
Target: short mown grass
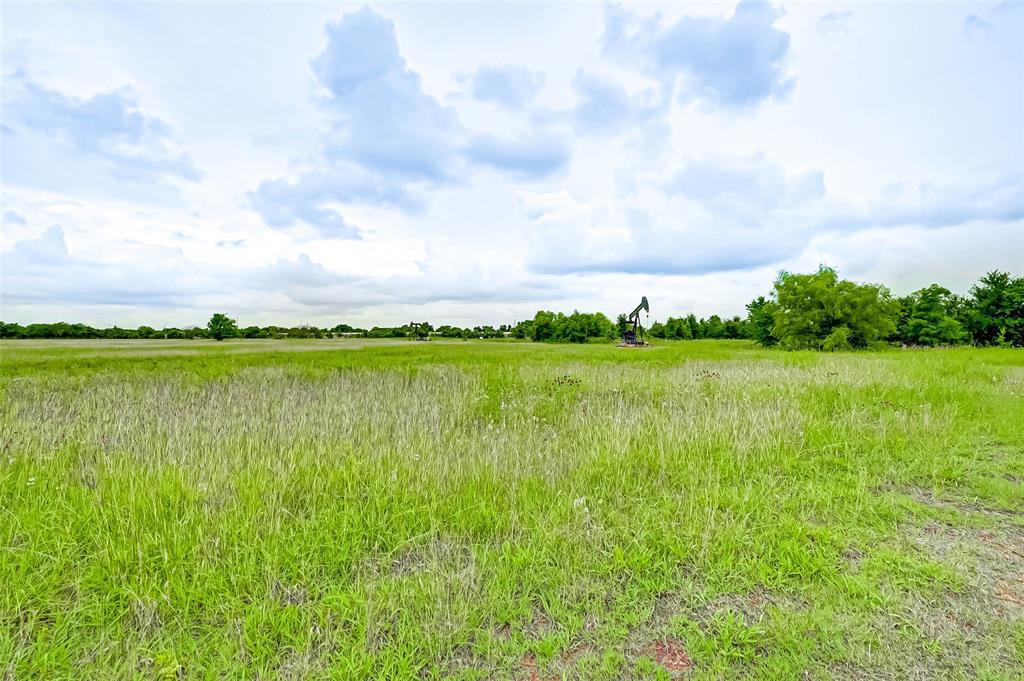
(475, 510)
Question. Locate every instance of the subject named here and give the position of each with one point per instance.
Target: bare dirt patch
(671, 654)
(529, 666)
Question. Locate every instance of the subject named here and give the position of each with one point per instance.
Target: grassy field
(473, 510)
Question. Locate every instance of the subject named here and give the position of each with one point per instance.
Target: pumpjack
(634, 336)
(419, 331)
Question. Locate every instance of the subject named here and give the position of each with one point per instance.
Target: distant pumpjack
(634, 336)
(419, 331)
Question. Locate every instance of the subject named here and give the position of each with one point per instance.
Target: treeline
(546, 326)
(817, 311)
(584, 327)
(442, 331)
(578, 327)
(820, 311)
(222, 330)
(65, 330)
(689, 328)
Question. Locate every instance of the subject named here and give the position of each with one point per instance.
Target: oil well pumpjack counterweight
(635, 336)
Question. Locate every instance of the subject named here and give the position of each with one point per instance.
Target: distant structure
(634, 336)
(419, 331)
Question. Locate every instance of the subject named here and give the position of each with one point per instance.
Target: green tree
(676, 328)
(838, 339)
(449, 331)
(736, 328)
(11, 330)
(543, 326)
(221, 326)
(961, 309)
(998, 315)
(601, 326)
(904, 308)
(522, 329)
(928, 321)
(694, 324)
(621, 324)
(812, 308)
(575, 328)
(579, 327)
(714, 327)
(761, 321)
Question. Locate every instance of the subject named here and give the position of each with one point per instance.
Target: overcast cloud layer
(320, 163)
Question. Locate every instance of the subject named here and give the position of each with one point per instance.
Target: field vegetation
(474, 510)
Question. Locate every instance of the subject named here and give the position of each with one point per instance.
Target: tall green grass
(507, 510)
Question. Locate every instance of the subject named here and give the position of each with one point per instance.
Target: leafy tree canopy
(998, 310)
(822, 311)
(761, 320)
(928, 320)
(221, 326)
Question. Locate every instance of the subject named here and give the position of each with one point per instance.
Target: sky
(471, 163)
